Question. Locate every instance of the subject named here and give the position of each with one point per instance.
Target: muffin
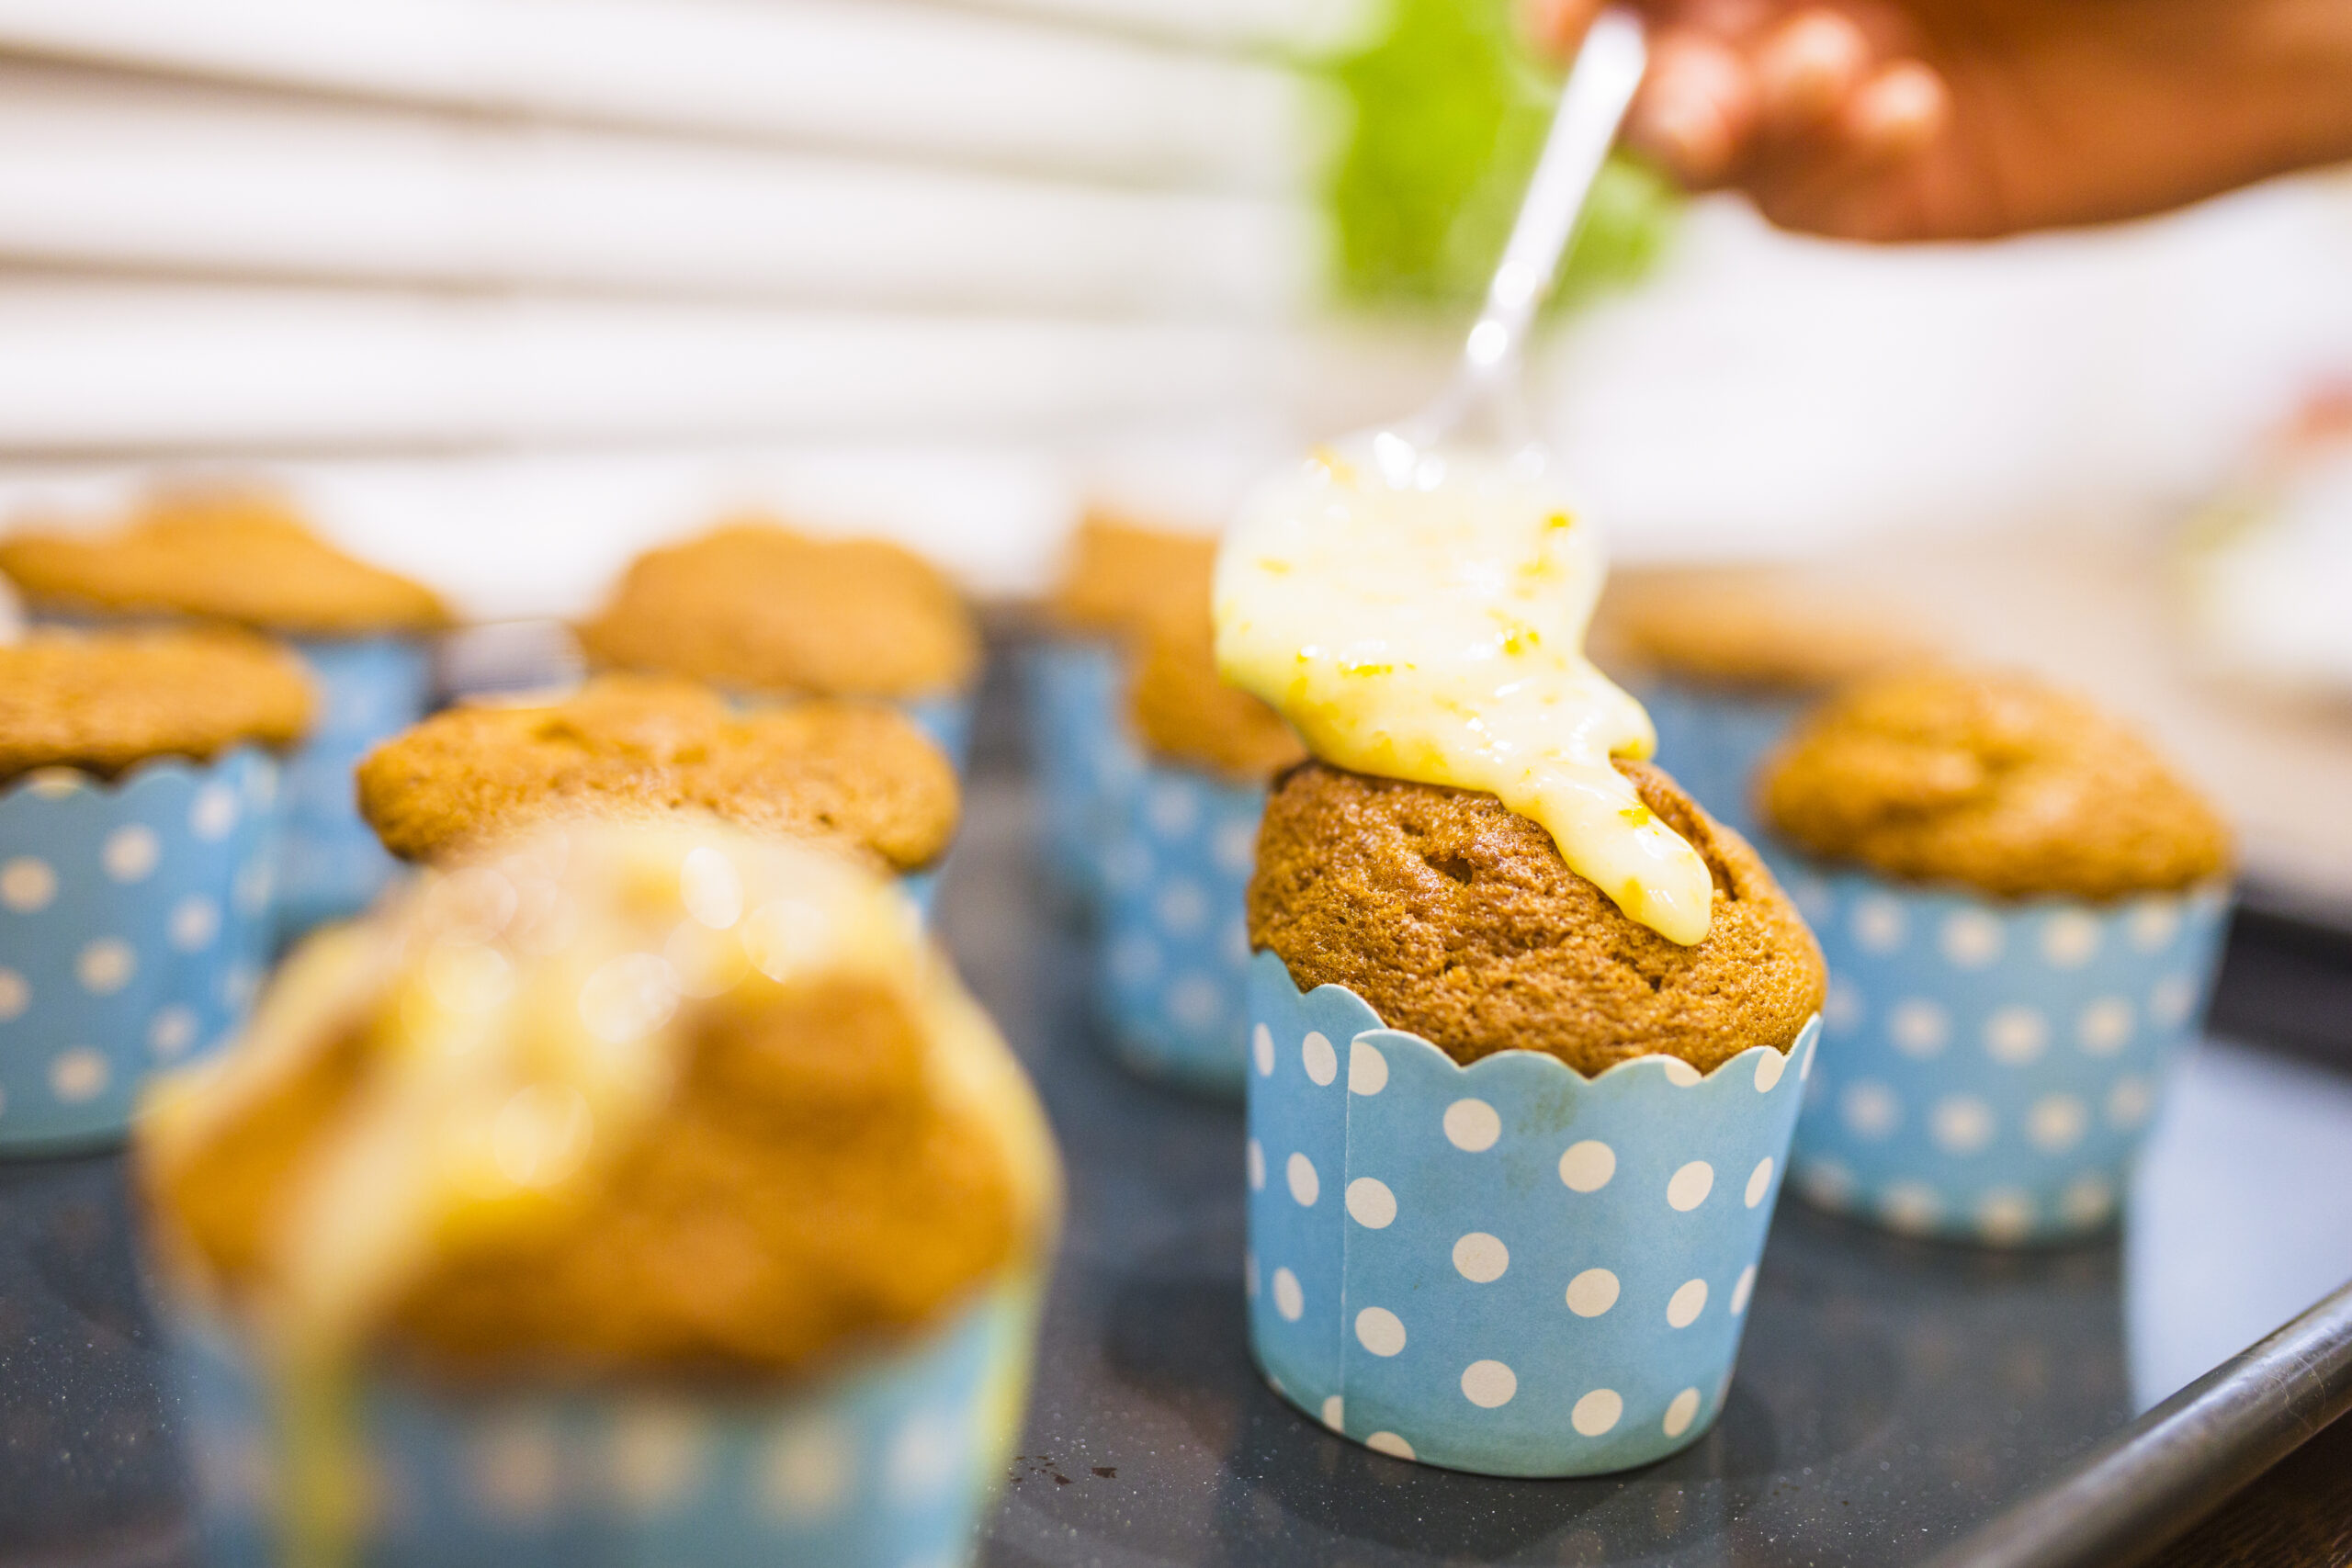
(649, 1192)
(1173, 962)
(246, 557)
(1724, 659)
(755, 609)
(856, 777)
(1118, 572)
(1519, 1238)
(1458, 920)
(1511, 1154)
(2022, 906)
(140, 788)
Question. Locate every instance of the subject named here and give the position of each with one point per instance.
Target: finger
(1896, 113)
(1696, 112)
(1556, 26)
(1807, 69)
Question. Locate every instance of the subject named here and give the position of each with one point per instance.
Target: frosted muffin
(140, 793)
(2022, 905)
(631, 1132)
(1526, 1027)
(1512, 1154)
(853, 777)
(246, 557)
(1724, 660)
(754, 607)
(1459, 921)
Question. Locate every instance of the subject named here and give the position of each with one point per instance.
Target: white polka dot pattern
(122, 930)
(1523, 1261)
(1993, 1067)
(1174, 945)
(884, 1465)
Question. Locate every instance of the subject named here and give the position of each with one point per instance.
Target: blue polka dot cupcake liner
(134, 924)
(1172, 939)
(330, 864)
(1080, 754)
(888, 1463)
(1508, 1268)
(1989, 1070)
(1712, 742)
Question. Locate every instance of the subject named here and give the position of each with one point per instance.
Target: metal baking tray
(1895, 1400)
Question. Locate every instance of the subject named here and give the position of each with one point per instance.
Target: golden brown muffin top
(858, 776)
(1457, 920)
(1119, 572)
(105, 702)
(1185, 714)
(1753, 629)
(752, 606)
(810, 1140)
(1991, 781)
(240, 556)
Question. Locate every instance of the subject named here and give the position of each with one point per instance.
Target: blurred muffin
(237, 554)
(103, 702)
(630, 1111)
(2022, 905)
(1177, 855)
(1990, 781)
(1119, 572)
(135, 834)
(245, 555)
(756, 608)
(853, 777)
(1186, 716)
(1458, 920)
(1081, 752)
(1745, 630)
(1724, 660)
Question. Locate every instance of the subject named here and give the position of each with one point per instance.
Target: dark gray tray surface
(1891, 1396)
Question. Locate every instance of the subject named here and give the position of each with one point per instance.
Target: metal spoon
(1600, 86)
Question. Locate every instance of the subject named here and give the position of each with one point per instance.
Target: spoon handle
(1599, 88)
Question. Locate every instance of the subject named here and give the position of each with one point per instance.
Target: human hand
(1916, 119)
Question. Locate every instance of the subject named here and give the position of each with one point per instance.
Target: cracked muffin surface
(1457, 920)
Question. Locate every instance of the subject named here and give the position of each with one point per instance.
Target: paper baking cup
(135, 919)
(1711, 740)
(330, 863)
(892, 1464)
(1989, 1070)
(1080, 754)
(1507, 1267)
(1172, 939)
